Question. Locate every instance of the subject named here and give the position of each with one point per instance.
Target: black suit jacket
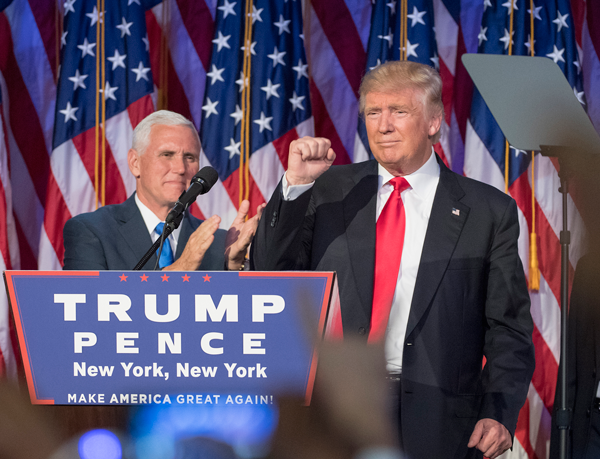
(583, 350)
(115, 237)
(470, 298)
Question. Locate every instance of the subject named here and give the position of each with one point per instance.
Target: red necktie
(388, 252)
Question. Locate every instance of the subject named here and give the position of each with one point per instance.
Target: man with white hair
(427, 265)
(164, 157)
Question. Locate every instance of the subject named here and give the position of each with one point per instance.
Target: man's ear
(133, 161)
(435, 124)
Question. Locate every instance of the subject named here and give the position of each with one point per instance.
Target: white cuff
(291, 192)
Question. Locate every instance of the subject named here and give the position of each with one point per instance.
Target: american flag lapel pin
(455, 211)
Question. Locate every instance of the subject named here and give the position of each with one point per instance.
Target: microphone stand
(564, 413)
(167, 230)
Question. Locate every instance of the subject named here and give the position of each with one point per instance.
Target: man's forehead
(158, 129)
(408, 97)
(178, 134)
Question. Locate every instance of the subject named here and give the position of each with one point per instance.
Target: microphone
(201, 183)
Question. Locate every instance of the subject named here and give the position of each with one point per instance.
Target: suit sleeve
(83, 249)
(284, 234)
(508, 348)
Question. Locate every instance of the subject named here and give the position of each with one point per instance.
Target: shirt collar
(423, 181)
(151, 220)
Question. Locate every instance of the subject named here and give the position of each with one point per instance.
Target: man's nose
(178, 164)
(385, 123)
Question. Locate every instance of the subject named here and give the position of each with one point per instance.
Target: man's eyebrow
(377, 108)
(403, 107)
(169, 150)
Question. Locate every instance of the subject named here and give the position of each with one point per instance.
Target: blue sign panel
(167, 337)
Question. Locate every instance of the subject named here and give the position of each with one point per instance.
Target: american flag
(8, 246)
(257, 99)
(512, 28)
(49, 170)
(399, 34)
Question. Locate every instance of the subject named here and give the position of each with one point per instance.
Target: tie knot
(159, 228)
(400, 184)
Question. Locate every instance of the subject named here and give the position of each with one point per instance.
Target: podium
(135, 338)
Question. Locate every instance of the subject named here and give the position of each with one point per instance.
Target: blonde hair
(395, 76)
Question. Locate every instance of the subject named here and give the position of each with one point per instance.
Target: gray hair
(399, 75)
(141, 133)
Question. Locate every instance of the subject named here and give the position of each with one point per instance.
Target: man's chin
(172, 192)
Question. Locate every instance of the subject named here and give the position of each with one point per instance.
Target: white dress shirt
(151, 220)
(418, 201)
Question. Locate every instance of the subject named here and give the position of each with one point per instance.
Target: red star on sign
(123, 277)
(185, 278)
(144, 278)
(206, 278)
(164, 278)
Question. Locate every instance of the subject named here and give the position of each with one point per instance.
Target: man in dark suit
(164, 157)
(447, 275)
(583, 375)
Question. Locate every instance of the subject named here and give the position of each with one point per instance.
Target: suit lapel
(134, 231)
(360, 204)
(448, 216)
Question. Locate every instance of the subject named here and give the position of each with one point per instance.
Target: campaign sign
(111, 337)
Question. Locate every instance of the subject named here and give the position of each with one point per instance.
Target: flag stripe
(550, 202)
(266, 168)
(593, 19)
(282, 147)
(71, 180)
(447, 34)
(544, 376)
(56, 215)
(463, 90)
(44, 13)
(5, 196)
(119, 133)
(194, 13)
(29, 136)
(448, 92)
(177, 99)
(185, 67)
(217, 201)
(138, 110)
(522, 430)
(549, 250)
(29, 54)
(85, 146)
(26, 255)
(335, 98)
(326, 127)
(361, 15)
(4, 249)
(545, 311)
(341, 33)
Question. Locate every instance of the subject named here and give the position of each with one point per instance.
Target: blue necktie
(166, 257)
